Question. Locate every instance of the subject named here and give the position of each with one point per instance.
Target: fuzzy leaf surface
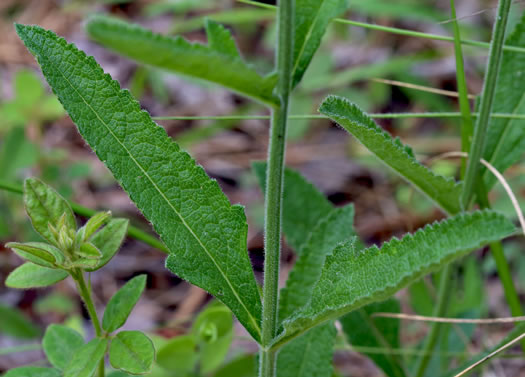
(310, 355)
(30, 275)
(303, 205)
(45, 206)
(443, 191)
(311, 20)
(132, 352)
(363, 330)
(352, 278)
(505, 140)
(109, 239)
(60, 344)
(320, 242)
(214, 63)
(204, 232)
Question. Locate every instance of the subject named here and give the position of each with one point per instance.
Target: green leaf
(215, 63)
(505, 140)
(33, 372)
(85, 361)
(205, 234)
(30, 275)
(179, 355)
(45, 206)
(303, 205)
(15, 323)
(108, 240)
(39, 253)
(220, 39)
(60, 344)
(310, 354)
(89, 251)
(132, 352)
(352, 278)
(444, 191)
(122, 303)
(93, 224)
(242, 366)
(311, 20)
(363, 330)
(320, 241)
(213, 328)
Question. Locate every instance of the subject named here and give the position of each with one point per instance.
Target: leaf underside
(219, 62)
(445, 192)
(352, 278)
(206, 235)
(505, 141)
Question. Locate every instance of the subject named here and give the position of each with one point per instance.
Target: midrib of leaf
(135, 355)
(308, 36)
(256, 325)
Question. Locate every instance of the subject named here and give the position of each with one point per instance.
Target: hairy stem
(85, 294)
(487, 99)
(274, 191)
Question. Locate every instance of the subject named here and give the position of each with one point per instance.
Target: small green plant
(335, 276)
(71, 252)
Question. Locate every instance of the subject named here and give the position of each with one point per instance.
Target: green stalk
(467, 126)
(487, 99)
(133, 232)
(398, 31)
(275, 182)
(85, 294)
(439, 311)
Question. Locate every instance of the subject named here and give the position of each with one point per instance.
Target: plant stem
(275, 182)
(439, 311)
(487, 99)
(467, 126)
(398, 31)
(85, 294)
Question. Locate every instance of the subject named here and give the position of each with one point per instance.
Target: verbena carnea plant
(335, 276)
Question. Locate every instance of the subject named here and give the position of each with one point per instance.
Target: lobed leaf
(505, 140)
(352, 278)
(363, 330)
(204, 232)
(30, 275)
(217, 62)
(311, 20)
(309, 355)
(60, 343)
(85, 361)
(45, 206)
(132, 352)
(443, 191)
(122, 303)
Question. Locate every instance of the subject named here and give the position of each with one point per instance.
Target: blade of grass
(398, 31)
(487, 99)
